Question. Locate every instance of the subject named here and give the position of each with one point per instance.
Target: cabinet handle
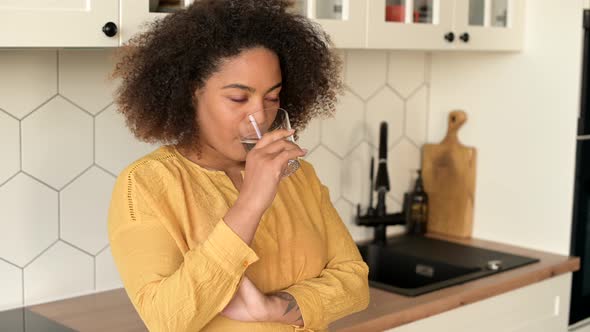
(110, 29)
(464, 37)
(450, 37)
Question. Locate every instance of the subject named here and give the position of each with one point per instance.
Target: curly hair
(161, 68)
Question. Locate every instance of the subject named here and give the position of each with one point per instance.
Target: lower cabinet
(540, 307)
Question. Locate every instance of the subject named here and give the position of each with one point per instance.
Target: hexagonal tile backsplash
(63, 143)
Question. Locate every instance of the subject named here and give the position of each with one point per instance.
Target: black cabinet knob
(450, 37)
(464, 37)
(110, 29)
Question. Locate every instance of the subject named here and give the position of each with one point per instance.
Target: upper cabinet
(410, 24)
(493, 25)
(445, 24)
(59, 23)
(489, 24)
(137, 14)
(344, 20)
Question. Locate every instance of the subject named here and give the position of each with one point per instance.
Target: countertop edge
(469, 296)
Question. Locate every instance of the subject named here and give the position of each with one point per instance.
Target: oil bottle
(417, 214)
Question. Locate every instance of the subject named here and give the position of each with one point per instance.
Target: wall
(522, 111)
(62, 144)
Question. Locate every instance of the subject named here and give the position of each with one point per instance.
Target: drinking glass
(259, 123)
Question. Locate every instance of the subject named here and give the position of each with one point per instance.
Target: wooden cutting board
(448, 170)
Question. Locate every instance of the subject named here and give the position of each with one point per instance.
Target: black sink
(414, 265)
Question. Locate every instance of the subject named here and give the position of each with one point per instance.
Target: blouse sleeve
(342, 287)
(170, 290)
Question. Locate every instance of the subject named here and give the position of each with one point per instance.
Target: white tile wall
(386, 104)
(62, 269)
(416, 116)
(57, 142)
(347, 128)
(366, 71)
(11, 287)
(29, 78)
(329, 169)
(406, 71)
(29, 220)
(355, 174)
(62, 144)
(84, 205)
(403, 161)
(9, 146)
(107, 276)
(84, 78)
(110, 130)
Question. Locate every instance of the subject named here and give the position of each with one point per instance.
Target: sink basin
(414, 265)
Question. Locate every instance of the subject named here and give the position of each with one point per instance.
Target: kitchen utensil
(448, 170)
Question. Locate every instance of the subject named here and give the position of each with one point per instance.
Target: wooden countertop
(112, 310)
(388, 310)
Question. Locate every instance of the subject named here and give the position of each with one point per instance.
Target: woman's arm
(170, 290)
(342, 287)
(285, 309)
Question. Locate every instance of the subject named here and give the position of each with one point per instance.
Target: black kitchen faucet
(378, 217)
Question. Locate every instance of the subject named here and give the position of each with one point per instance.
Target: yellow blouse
(181, 264)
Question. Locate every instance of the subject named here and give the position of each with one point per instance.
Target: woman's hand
(264, 165)
(248, 304)
(251, 305)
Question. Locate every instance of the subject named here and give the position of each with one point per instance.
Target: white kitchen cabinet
(402, 25)
(489, 24)
(390, 24)
(137, 14)
(344, 20)
(59, 23)
(445, 24)
(543, 306)
(374, 24)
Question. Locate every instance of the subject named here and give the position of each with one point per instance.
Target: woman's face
(244, 84)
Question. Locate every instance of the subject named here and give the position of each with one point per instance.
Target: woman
(206, 236)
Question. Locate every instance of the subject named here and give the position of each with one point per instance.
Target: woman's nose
(260, 116)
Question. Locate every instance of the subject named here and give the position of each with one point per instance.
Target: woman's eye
(273, 99)
(237, 100)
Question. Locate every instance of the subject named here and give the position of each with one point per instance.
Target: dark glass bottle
(418, 208)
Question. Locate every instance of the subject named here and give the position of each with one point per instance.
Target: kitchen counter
(388, 310)
(112, 310)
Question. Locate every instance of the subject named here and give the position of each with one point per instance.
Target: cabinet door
(58, 23)
(542, 306)
(410, 24)
(137, 14)
(490, 24)
(344, 20)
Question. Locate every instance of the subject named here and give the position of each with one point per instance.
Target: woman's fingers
(275, 135)
(283, 157)
(265, 164)
(279, 146)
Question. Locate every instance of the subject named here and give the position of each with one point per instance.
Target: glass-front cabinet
(344, 20)
(493, 25)
(137, 14)
(409, 24)
(445, 24)
(489, 24)
(59, 23)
